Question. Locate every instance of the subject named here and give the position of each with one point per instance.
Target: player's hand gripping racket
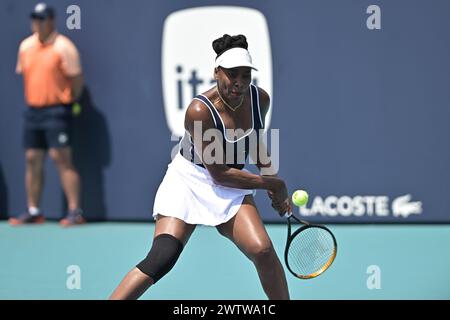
(310, 250)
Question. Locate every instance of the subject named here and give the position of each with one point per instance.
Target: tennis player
(196, 190)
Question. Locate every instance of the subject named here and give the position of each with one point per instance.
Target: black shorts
(48, 127)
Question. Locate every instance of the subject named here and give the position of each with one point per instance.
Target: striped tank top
(235, 151)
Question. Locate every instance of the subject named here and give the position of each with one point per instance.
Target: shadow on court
(91, 155)
(3, 195)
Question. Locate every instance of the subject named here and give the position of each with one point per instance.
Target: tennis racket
(310, 250)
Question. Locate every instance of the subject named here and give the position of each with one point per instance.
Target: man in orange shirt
(53, 81)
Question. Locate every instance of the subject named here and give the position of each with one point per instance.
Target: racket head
(310, 250)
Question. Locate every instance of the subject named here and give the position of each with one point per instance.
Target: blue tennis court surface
(410, 262)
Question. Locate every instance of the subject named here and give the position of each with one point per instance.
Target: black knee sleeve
(162, 256)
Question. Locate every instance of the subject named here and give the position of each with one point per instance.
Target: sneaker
(27, 218)
(73, 218)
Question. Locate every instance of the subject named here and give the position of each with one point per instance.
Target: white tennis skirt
(189, 193)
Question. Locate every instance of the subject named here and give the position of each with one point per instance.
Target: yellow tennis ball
(300, 197)
(76, 109)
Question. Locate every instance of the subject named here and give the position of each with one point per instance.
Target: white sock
(34, 211)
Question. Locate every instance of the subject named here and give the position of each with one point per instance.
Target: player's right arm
(220, 172)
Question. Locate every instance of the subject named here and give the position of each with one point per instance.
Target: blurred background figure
(53, 82)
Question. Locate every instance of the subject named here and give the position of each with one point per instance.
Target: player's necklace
(233, 109)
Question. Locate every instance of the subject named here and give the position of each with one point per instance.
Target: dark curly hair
(226, 42)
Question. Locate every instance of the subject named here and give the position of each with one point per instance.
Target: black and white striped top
(240, 145)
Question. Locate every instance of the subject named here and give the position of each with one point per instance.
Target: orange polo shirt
(47, 68)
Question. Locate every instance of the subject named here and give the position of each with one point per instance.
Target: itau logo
(188, 57)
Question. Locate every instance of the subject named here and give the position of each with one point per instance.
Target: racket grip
(288, 213)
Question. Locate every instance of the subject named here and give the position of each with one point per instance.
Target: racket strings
(310, 251)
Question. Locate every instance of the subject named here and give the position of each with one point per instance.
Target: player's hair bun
(226, 42)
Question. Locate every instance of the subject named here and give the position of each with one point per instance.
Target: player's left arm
(266, 167)
(264, 104)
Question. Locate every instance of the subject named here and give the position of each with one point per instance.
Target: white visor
(235, 57)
